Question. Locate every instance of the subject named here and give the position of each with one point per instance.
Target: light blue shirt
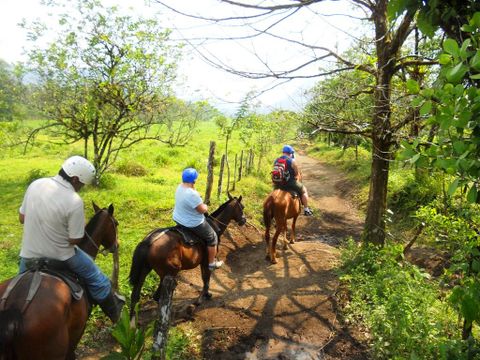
(184, 212)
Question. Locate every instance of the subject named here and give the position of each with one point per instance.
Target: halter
(222, 223)
(105, 251)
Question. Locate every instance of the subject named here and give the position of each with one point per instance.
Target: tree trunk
(374, 231)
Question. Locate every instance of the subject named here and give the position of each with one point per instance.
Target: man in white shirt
(53, 216)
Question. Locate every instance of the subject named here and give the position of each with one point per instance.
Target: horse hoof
(274, 261)
(292, 241)
(208, 296)
(267, 257)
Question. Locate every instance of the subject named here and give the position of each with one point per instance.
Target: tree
(11, 89)
(390, 34)
(105, 79)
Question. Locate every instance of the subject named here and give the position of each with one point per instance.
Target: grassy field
(141, 203)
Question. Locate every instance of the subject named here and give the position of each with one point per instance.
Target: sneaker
(215, 265)
(307, 212)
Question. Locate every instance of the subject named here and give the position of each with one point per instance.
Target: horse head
(237, 209)
(102, 228)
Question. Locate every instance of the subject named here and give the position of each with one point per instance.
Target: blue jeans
(83, 265)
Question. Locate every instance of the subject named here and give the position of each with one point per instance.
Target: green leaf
(445, 59)
(475, 61)
(475, 77)
(412, 86)
(476, 19)
(426, 108)
(425, 24)
(450, 46)
(456, 74)
(453, 186)
(459, 147)
(472, 194)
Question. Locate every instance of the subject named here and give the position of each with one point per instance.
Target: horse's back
(52, 322)
(283, 204)
(169, 255)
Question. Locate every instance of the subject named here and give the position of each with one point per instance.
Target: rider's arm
(202, 208)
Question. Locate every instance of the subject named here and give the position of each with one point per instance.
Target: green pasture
(140, 185)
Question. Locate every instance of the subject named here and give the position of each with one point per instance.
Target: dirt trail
(282, 311)
(287, 310)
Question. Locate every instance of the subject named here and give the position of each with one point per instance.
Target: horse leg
(137, 288)
(273, 250)
(292, 235)
(268, 221)
(168, 285)
(285, 226)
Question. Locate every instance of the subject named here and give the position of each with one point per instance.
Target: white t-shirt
(54, 212)
(184, 212)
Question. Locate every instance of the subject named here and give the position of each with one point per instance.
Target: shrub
(35, 174)
(131, 168)
(397, 302)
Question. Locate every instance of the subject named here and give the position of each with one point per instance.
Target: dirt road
(282, 311)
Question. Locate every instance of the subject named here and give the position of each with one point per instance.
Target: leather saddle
(39, 268)
(189, 238)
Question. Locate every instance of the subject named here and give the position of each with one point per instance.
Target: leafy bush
(131, 168)
(35, 174)
(398, 303)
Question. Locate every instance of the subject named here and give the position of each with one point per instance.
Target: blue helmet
(189, 175)
(288, 149)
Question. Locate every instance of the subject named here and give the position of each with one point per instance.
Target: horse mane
(93, 222)
(223, 206)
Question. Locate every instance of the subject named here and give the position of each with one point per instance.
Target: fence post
(211, 156)
(234, 173)
(220, 176)
(240, 167)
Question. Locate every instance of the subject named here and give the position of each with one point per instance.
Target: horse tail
(11, 326)
(268, 212)
(139, 271)
(139, 261)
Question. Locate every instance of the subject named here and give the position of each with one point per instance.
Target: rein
(220, 222)
(105, 251)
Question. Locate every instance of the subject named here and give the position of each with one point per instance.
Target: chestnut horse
(166, 253)
(280, 205)
(50, 326)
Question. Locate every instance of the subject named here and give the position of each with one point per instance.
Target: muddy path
(283, 311)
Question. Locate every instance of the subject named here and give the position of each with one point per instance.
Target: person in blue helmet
(293, 181)
(189, 211)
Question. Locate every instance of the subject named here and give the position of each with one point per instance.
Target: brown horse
(50, 326)
(280, 205)
(166, 253)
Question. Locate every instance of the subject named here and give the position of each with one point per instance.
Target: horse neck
(92, 239)
(223, 219)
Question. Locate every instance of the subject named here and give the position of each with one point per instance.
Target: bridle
(241, 222)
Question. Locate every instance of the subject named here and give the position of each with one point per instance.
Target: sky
(199, 80)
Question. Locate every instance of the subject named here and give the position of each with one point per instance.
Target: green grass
(141, 185)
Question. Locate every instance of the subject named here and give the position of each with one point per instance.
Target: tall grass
(141, 186)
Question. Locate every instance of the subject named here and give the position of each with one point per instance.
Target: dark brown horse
(50, 326)
(166, 253)
(280, 205)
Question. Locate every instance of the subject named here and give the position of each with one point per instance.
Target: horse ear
(229, 196)
(240, 198)
(95, 207)
(110, 209)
